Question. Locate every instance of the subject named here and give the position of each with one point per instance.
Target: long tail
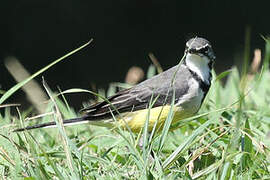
(67, 122)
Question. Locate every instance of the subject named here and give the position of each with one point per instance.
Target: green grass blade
(226, 171)
(167, 124)
(19, 85)
(145, 132)
(151, 71)
(247, 147)
(223, 74)
(175, 155)
(267, 52)
(49, 160)
(207, 170)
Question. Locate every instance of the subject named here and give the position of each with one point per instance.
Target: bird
(183, 88)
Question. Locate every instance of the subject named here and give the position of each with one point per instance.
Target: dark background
(124, 32)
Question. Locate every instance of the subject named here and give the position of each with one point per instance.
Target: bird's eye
(192, 51)
(204, 50)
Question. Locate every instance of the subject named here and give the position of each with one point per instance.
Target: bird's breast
(192, 100)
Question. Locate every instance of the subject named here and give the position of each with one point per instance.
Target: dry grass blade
(5, 155)
(208, 145)
(8, 105)
(34, 93)
(256, 61)
(155, 62)
(39, 116)
(205, 149)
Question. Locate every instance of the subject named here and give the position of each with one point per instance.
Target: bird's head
(200, 47)
(199, 58)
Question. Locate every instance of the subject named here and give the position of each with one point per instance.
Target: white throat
(199, 65)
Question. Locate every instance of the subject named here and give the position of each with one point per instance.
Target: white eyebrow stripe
(203, 47)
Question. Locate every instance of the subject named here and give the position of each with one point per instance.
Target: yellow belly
(136, 120)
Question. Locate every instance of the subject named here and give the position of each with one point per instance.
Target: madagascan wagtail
(186, 84)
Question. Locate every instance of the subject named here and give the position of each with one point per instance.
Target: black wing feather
(139, 96)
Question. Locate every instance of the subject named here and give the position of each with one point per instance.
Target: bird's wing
(124, 101)
(158, 89)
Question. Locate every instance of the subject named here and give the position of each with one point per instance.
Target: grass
(228, 139)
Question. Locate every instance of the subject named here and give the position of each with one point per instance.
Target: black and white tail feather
(53, 124)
